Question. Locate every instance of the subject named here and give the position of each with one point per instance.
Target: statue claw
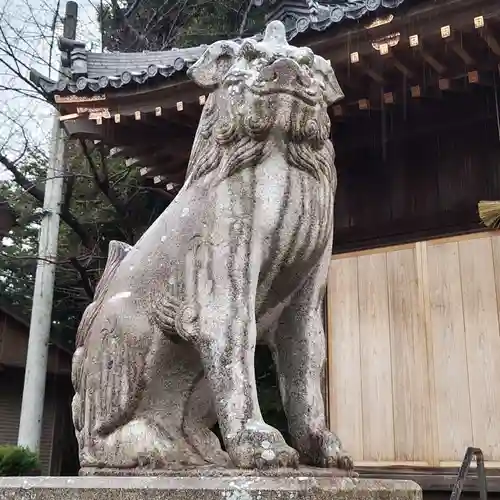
(323, 449)
(262, 449)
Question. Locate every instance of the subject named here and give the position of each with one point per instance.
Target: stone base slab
(206, 488)
(213, 471)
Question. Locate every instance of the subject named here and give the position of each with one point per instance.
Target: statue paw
(261, 446)
(325, 450)
(337, 460)
(344, 461)
(151, 460)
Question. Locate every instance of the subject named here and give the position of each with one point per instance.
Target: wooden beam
(461, 52)
(138, 150)
(176, 176)
(116, 152)
(157, 173)
(77, 99)
(71, 116)
(145, 171)
(349, 81)
(374, 74)
(389, 98)
(135, 138)
(437, 66)
(83, 128)
(444, 84)
(171, 186)
(132, 162)
(416, 91)
(487, 34)
(365, 67)
(144, 99)
(400, 66)
(483, 78)
(454, 40)
(425, 21)
(428, 92)
(451, 84)
(431, 478)
(354, 239)
(364, 104)
(158, 161)
(448, 118)
(338, 111)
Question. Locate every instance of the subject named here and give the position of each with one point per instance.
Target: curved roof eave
(94, 72)
(302, 15)
(116, 70)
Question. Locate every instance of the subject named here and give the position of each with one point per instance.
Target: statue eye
(306, 58)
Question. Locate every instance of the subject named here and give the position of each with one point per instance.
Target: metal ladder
(470, 454)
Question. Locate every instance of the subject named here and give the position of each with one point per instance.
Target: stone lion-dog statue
(166, 349)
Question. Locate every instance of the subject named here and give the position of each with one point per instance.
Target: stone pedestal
(237, 487)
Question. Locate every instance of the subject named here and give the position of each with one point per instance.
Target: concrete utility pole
(30, 425)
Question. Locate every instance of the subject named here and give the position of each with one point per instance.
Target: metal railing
(470, 454)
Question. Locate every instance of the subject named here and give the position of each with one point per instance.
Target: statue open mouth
(309, 96)
(283, 76)
(270, 66)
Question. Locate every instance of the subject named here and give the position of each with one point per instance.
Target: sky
(25, 41)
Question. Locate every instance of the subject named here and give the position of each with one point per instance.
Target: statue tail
(117, 252)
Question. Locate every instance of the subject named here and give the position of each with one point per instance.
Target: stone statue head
(269, 66)
(266, 91)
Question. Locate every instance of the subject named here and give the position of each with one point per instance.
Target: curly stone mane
(226, 143)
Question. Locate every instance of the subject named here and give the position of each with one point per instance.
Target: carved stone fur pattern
(241, 256)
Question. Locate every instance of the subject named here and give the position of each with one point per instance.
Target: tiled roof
(299, 16)
(117, 69)
(88, 71)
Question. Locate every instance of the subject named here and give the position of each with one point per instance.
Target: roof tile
(98, 71)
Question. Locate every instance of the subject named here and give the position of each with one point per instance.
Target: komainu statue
(166, 349)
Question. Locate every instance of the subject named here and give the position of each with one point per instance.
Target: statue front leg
(229, 368)
(219, 319)
(300, 354)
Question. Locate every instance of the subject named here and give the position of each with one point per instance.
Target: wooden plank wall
(414, 351)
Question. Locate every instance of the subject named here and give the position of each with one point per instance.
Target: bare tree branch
(102, 180)
(86, 239)
(68, 192)
(84, 277)
(132, 8)
(244, 20)
(139, 39)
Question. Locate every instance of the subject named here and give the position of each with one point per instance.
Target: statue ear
(215, 62)
(333, 92)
